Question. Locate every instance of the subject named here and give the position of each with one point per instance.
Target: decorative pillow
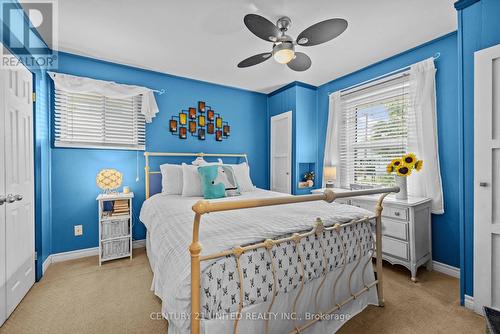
(210, 184)
(218, 181)
(191, 184)
(171, 179)
(228, 177)
(242, 173)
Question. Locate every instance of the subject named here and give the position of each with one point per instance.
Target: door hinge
(34, 96)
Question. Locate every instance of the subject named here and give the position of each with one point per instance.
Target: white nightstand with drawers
(406, 229)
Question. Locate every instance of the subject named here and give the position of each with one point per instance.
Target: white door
(281, 153)
(19, 229)
(487, 178)
(3, 306)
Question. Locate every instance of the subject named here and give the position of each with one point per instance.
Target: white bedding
(169, 220)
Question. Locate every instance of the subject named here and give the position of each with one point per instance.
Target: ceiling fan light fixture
(283, 53)
(303, 40)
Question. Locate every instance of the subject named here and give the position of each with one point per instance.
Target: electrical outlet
(78, 230)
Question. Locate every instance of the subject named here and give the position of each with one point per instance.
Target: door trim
(285, 115)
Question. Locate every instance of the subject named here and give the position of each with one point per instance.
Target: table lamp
(330, 175)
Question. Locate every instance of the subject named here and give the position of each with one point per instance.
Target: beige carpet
(80, 297)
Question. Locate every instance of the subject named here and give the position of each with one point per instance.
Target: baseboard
(46, 264)
(446, 269)
(469, 302)
(79, 253)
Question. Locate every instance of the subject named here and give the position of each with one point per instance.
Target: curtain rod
(159, 91)
(436, 56)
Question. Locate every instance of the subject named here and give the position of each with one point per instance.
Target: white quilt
(169, 220)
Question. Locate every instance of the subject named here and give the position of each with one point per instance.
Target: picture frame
(172, 125)
(226, 129)
(183, 118)
(218, 122)
(201, 120)
(201, 134)
(201, 106)
(210, 128)
(192, 126)
(211, 115)
(218, 135)
(192, 113)
(182, 132)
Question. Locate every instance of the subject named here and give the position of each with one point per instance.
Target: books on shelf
(120, 207)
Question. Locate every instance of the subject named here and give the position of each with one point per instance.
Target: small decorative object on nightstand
(406, 229)
(115, 226)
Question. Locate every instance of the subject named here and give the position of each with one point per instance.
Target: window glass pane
(375, 131)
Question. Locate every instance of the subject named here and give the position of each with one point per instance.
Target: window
(95, 121)
(373, 131)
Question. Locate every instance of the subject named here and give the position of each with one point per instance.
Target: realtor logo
(30, 33)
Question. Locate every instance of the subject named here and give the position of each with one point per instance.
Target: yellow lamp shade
(109, 179)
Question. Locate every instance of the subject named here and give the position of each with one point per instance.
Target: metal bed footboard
(203, 207)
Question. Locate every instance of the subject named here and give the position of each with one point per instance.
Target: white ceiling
(205, 39)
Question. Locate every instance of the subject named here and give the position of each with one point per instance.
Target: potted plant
(403, 168)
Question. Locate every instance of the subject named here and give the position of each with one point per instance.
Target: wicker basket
(115, 228)
(115, 248)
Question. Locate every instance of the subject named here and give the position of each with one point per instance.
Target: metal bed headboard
(147, 155)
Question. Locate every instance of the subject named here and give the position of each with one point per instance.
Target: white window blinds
(96, 121)
(373, 131)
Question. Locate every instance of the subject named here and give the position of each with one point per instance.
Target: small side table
(115, 226)
(406, 228)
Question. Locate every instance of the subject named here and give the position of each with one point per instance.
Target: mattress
(168, 219)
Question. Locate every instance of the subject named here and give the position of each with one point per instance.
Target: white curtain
(427, 182)
(332, 142)
(109, 89)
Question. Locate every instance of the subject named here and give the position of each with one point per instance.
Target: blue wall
(445, 228)
(41, 138)
(478, 28)
(74, 194)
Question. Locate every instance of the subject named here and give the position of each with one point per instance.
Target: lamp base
(329, 184)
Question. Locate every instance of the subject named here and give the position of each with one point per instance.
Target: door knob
(2, 200)
(483, 184)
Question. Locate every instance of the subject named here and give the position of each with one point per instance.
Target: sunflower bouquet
(405, 165)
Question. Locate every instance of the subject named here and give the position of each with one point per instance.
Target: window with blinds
(374, 130)
(95, 121)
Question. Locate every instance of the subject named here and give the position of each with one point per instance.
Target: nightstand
(406, 228)
(115, 226)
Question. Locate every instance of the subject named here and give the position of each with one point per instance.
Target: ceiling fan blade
(300, 63)
(262, 27)
(322, 32)
(254, 60)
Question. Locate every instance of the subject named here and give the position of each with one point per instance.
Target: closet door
(19, 184)
(487, 179)
(281, 153)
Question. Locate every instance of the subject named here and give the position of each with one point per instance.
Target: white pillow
(242, 173)
(191, 182)
(171, 179)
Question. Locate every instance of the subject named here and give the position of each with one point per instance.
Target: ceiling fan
(283, 45)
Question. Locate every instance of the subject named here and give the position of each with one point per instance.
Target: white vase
(401, 182)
